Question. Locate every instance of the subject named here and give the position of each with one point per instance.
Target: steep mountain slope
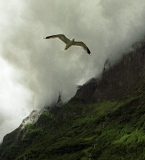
(119, 80)
(104, 120)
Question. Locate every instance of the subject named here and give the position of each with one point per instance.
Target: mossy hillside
(104, 130)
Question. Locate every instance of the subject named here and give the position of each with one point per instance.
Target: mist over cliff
(40, 68)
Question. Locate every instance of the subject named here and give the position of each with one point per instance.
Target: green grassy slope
(101, 131)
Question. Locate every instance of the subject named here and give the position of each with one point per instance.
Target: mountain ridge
(103, 121)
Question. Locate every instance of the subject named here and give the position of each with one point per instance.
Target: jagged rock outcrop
(118, 81)
(31, 119)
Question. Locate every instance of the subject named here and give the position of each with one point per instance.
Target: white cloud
(14, 99)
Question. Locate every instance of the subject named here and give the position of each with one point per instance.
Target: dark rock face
(118, 81)
(85, 92)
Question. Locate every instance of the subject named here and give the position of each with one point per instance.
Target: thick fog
(34, 71)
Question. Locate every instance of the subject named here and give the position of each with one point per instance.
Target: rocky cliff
(118, 80)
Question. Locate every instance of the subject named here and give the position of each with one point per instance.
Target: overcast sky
(34, 70)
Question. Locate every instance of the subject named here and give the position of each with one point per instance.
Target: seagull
(69, 42)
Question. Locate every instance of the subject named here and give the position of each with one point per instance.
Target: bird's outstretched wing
(82, 44)
(60, 36)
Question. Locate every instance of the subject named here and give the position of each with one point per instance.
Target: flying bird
(69, 42)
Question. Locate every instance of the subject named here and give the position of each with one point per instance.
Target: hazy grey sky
(34, 70)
